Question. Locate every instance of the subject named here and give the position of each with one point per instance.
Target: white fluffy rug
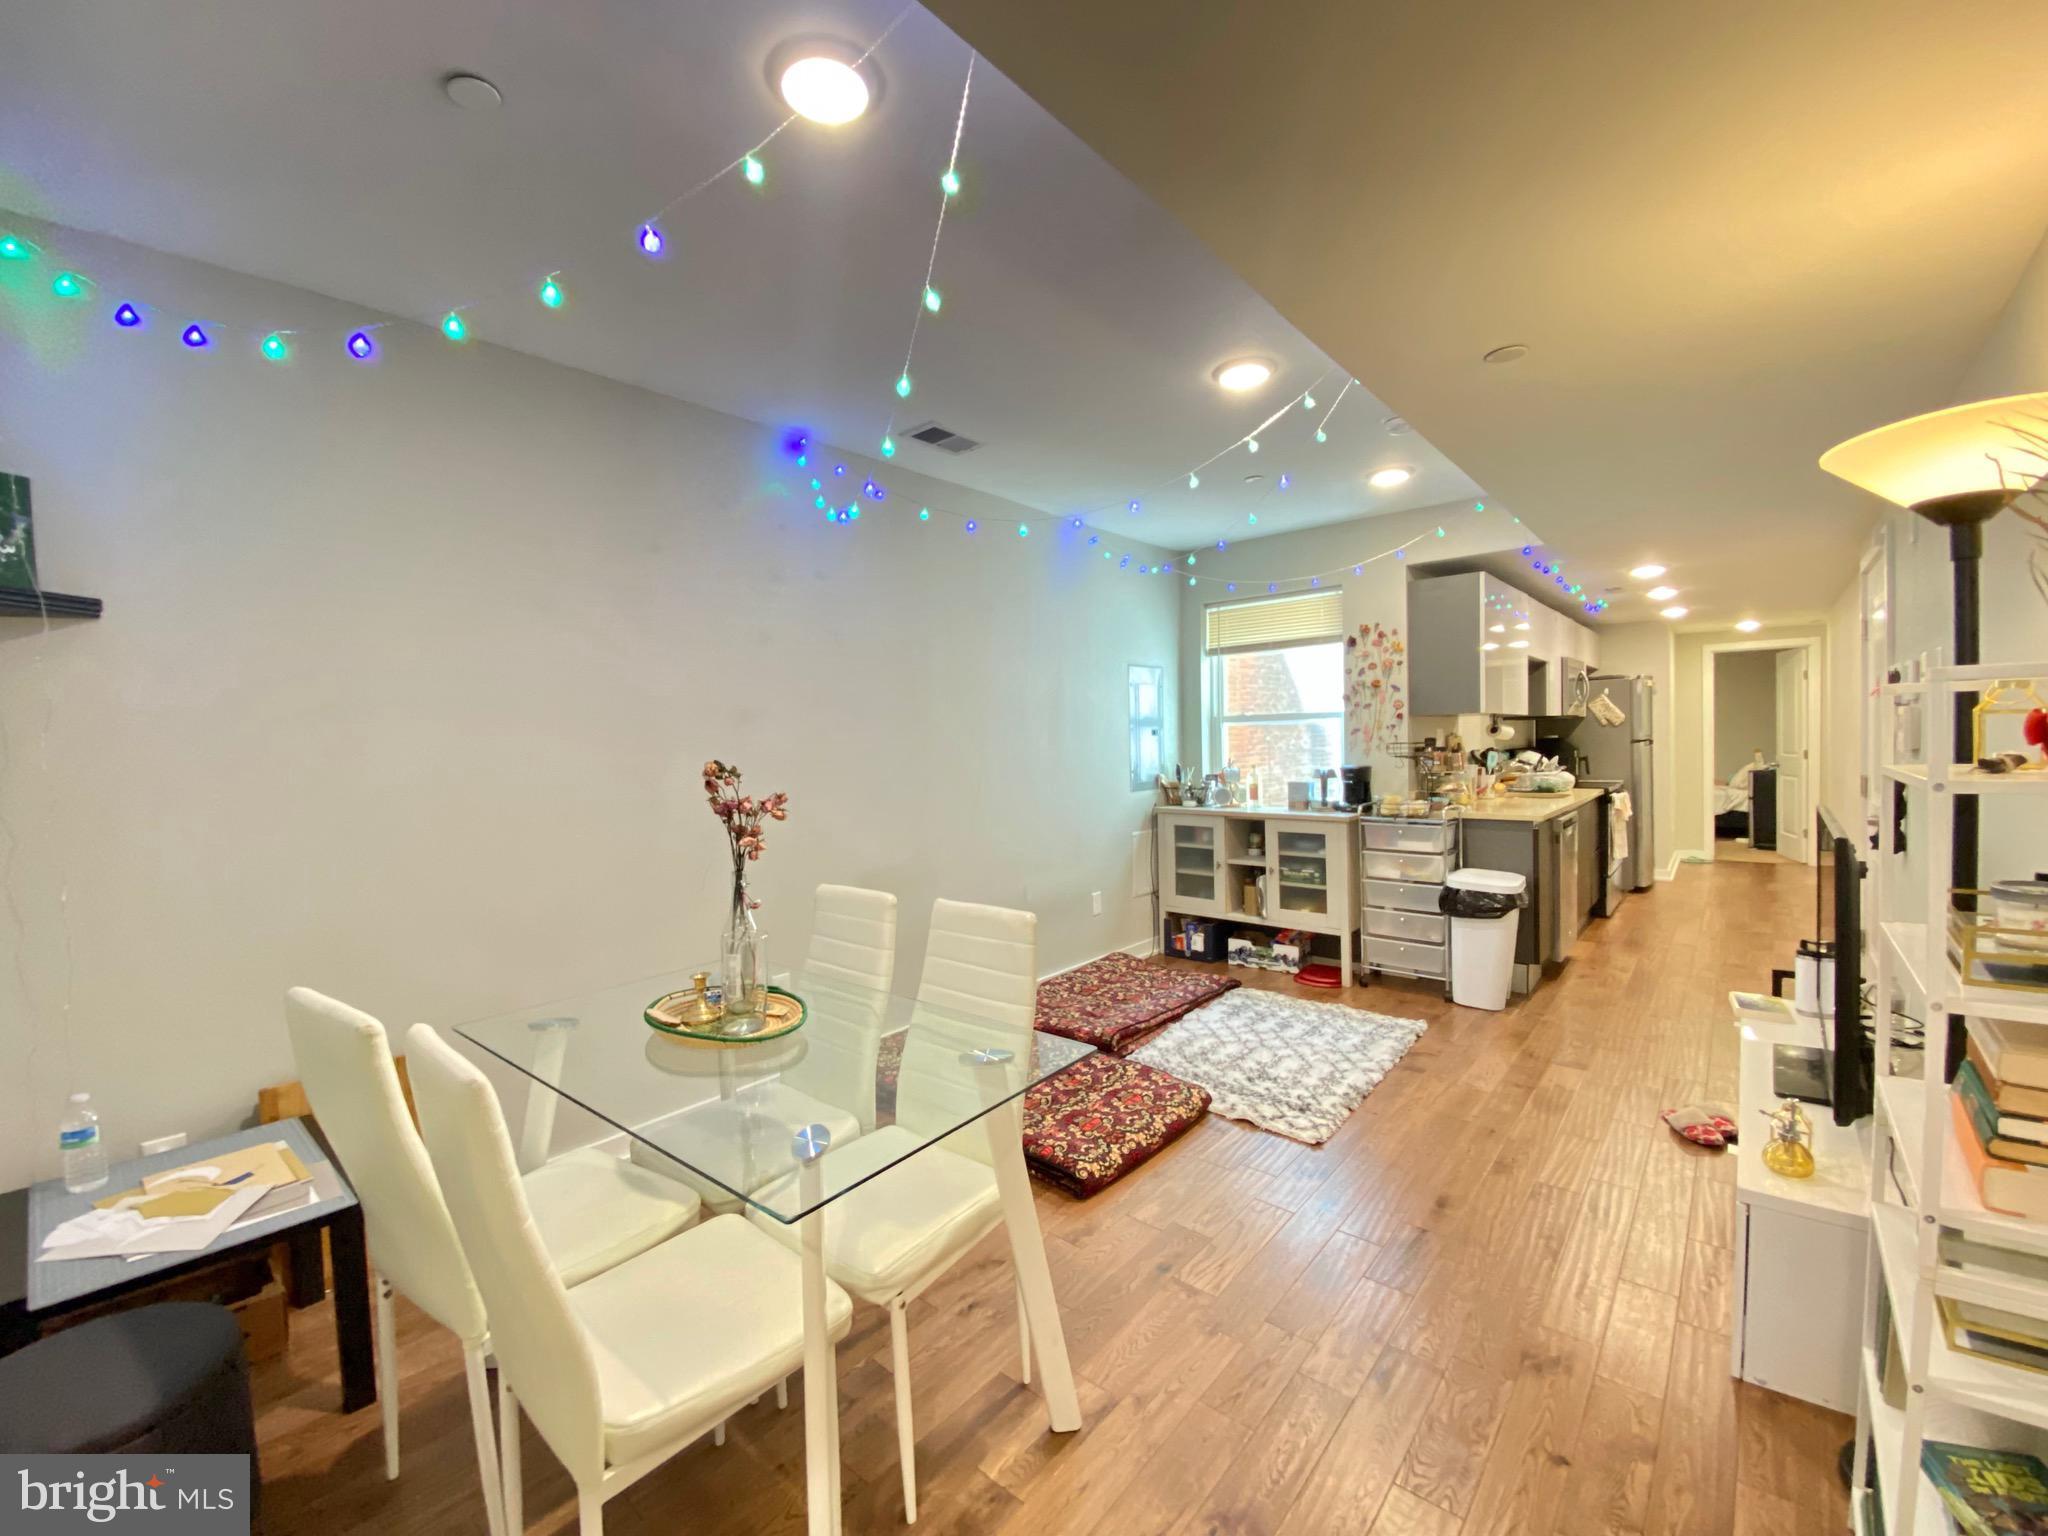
(1280, 1062)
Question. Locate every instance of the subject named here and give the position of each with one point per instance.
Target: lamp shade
(1982, 449)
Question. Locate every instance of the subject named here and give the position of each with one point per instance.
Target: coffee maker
(1358, 788)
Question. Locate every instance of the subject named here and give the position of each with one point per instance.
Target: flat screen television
(1838, 923)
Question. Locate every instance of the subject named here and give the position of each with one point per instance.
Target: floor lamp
(1958, 468)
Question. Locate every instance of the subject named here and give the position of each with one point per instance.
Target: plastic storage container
(1485, 910)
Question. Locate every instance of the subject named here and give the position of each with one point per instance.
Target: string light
(924, 514)
(1322, 436)
(453, 328)
(275, 347)
(14, 248)
(651, 241)
(928, 301)
(972, 525)
(1252, 443)
(194, 336)
(1230, 586)
(1285, 481)
(551, 291)
(1219, 544)
(1134, 504)
(1023, 530)
(127, 316)
(753, 170)
(360, 346)
(1308, 401)
(68, 285)
(1194, 480)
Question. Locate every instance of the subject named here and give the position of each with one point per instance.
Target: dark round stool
(165, 1378)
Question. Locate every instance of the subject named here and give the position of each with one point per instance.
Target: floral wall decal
(1375, 688)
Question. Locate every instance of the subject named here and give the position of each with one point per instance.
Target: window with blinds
(1273, 694)
(1274, 623)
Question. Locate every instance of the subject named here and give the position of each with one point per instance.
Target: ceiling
(1731, 234)
(312, 144)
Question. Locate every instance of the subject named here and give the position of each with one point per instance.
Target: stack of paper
(186, 1209)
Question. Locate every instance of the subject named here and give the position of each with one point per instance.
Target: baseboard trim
(1670, 869)
(1684, 856)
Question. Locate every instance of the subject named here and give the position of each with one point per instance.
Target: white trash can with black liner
(1485, 909)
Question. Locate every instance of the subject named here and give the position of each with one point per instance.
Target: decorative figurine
(1789, 1152)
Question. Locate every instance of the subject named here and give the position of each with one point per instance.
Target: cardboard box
(1282, 951)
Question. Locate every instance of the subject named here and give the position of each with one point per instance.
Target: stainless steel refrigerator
(1625, 754)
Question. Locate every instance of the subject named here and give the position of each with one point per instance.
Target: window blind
(1270, 624)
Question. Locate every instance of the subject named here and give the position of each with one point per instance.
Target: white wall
(408, 671)
(1745, 709)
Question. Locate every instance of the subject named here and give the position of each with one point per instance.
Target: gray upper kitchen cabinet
(1462, 659)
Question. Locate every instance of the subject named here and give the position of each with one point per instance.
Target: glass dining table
(754, 1125)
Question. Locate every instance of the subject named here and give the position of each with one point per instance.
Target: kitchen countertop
(1256, 812)
(1531, 809)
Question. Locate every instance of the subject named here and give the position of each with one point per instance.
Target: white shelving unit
(1920, 1185)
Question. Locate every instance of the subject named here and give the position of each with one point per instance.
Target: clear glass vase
(744, 967)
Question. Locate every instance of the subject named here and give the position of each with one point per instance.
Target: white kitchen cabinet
(1193, 851)
(1307, 863)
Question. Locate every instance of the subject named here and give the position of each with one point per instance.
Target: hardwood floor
(1496, 1301)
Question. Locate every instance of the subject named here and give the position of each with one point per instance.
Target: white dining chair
(592, 1211)
(622, 1372)
(849, 967)
(894, 1235)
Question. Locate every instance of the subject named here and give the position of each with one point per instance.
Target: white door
(1795, 809)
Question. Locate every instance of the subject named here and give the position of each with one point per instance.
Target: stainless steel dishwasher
(1570, 899)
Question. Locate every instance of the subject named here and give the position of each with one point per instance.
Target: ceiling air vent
(945, 439)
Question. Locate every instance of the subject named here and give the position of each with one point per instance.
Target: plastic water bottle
(78, 1138)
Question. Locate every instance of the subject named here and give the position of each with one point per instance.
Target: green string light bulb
(1322, 436)
(68, 285)
(453, 328)
(1191, 559)
(924, 514)
(888, 447)
(1194, 481)
(1023, 530)
(754, 171)
(903, 386)
(14, 248)
(931, 299)
(276, 348)
(1251, 517)
(1252, 443)
(1308, 402)
(551, 292)
(950, 181)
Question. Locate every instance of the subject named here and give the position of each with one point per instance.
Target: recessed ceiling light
(1491, 645)
(1387, 479)
(1521, 626)
(1647, 572)
(824, 88)
(1673, 613)
(1661, 594)
(1513, 352)
(1518, 645)
(1243, 373)
(1496, 629)
(1749, 626)
(1397, 426)
(471, 91)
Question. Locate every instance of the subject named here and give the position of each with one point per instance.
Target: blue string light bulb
(194, 336)
(360, 346)
(972, 525)
(551, 291)
(651, 242)
(127, 317)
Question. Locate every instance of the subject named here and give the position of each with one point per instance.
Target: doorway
(1761, 765)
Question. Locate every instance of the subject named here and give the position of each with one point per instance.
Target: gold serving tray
(676, 1014)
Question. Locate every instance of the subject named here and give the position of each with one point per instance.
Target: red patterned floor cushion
(1088, 1126)
(1118, 1002)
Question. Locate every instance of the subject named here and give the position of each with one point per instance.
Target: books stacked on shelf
(1991, 1333)
(1988, 1492)
(2000, 1103)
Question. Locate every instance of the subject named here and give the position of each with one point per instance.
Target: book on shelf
(1988, 1492)
(1984, 1115)
(1994, 1333)
(2003, 1185)
(2011, 1052)
(1971, 1259)
(2010, 1098)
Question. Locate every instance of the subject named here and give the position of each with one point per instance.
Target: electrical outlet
(1095, 901)
(169, 1143)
